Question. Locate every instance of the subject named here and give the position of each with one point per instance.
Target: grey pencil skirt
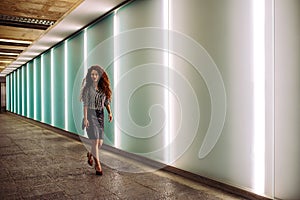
(96, 124)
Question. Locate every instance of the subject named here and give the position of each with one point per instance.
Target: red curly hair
(103, 84)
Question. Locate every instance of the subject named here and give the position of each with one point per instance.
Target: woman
(95, 94)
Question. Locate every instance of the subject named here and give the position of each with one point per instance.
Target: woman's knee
(100, 143)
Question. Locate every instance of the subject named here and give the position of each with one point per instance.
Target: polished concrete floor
(38, 163)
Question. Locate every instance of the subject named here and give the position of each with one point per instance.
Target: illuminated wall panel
(230, 44)
(19, 90)
(15, 91)
(30, 92)
(8, 93)
(75, 61)
(46, 87)
(37, 85)
(12, 92)
(100, 52)
(143, 124)
(287, 98)
(58, 87)
(24, 90)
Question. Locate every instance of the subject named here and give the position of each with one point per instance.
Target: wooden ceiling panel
(13, 47)
(41, 9)
(5, 59)
(16, 33)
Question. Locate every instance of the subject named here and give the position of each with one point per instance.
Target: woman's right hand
(86, 123)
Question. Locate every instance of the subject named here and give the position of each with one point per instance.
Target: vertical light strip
(23, 89)
(42, 89)
(66, 86)
(20, 97)
(28, 89)
(52, 86)
(258, 14)
(85, 61)
(15, 92)
(34, 91)
(11, 93)
(85, 51)
(166, 77)
(8, 97)
(18, 90)
(117, 132)
(273, 95)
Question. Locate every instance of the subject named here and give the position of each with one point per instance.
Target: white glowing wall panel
(141, 79)
(227, 31)
(287, 98)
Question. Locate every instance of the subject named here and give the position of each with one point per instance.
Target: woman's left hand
(110, 117)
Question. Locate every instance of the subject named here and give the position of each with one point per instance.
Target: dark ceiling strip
(8, 56)
(25, 22)
(10, 50)
(23, 25)
(14, 44)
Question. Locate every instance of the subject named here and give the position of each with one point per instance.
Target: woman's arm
(110, 116)
(86, 122)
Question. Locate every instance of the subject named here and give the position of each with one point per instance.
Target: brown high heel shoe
(99, 173)
(97, 165)
(90, 159)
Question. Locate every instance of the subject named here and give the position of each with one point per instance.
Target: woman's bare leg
(96, 146)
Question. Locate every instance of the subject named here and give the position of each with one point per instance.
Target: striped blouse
(95, 100)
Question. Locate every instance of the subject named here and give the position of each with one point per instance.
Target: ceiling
(29, 27)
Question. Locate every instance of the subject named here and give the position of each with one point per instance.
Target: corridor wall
(193, 87)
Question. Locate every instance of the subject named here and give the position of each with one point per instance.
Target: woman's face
(95, 76)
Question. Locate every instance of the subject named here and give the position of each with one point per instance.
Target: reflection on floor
(38, 163)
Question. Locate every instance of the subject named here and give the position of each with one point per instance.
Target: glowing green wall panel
(138, 124)
(8, 95)
(100, 43)
(24, 90)
(46, 79)
(15, 91)
(12, 92)
(100, 51)
(30, 93)
(37, 90)
(75, 60)
(58, 87)
(19, 94)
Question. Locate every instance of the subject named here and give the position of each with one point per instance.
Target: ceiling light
(5, 61)
(10, 68)
(16, 41)
(9, 54)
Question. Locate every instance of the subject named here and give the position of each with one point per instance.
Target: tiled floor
(37, 163)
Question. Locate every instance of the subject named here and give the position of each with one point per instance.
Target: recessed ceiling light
(5, 61)
(16, 41)
(9, 54)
